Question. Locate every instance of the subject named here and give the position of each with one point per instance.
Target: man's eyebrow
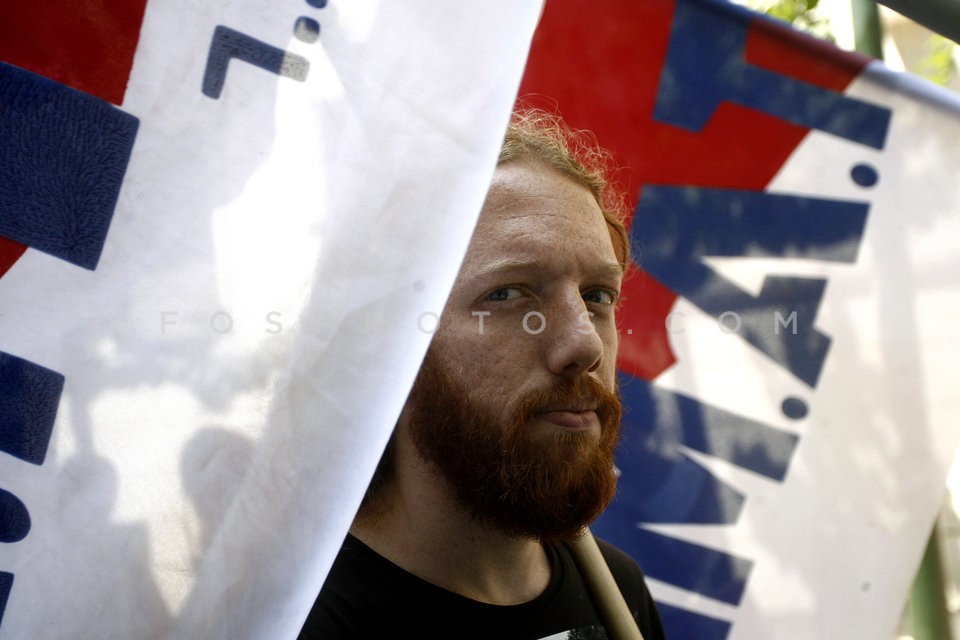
(504, 265)
(610, 270)
(510, 264)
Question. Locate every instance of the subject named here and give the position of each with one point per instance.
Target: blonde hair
(540, 136)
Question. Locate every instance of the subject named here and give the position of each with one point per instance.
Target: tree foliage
(937, 65)
(802, 14)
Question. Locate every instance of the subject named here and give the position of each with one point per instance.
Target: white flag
(789, 356)
(216, 293)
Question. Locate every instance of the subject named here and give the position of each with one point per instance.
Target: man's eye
(599, 296)
(507, 293)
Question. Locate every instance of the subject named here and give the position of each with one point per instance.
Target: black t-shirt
(366, 596)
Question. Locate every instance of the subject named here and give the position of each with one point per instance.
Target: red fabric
(86, 45)
(10, 252)
(600, 67)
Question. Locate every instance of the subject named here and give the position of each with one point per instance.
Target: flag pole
(603, 588)
(940, 16)
(928, 604)
(868, 32)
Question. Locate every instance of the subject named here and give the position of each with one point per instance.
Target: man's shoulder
(629, 577)
(621, 564)
(357, 596)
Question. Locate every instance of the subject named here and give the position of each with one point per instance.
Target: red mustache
(582, 393)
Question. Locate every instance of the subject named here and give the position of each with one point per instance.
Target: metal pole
(867, 32)
(940, 16)
(928, 603)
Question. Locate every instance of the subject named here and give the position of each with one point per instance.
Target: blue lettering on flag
(228, 43)
(14, 518)
(679, 226)
(683, 623)
(29, 396)
(659, 484)
(6, 582)
(690, 566)
(63, 158)
(706, 65)
(676, 228)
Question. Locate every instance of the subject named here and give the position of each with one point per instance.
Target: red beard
(547, 489)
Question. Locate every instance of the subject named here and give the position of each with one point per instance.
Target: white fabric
(201, 475)
(835, 547)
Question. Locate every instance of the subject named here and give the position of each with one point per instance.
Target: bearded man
(504, 450)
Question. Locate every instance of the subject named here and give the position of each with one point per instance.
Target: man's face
(522, 416)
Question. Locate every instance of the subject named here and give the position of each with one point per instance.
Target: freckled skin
(541, 245)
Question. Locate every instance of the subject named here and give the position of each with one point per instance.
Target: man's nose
(572, 345)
